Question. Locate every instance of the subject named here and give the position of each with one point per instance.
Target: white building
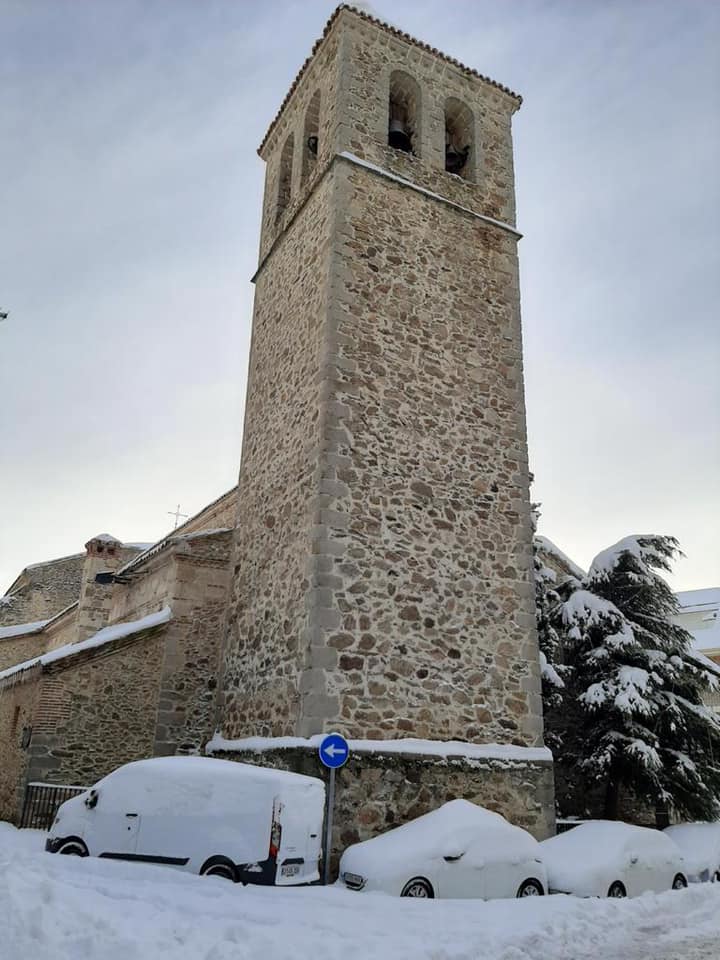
(700, 615)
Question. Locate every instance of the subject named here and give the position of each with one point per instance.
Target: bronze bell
(398, 136)
(455, 159)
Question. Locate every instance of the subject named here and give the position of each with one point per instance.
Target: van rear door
(301, 817)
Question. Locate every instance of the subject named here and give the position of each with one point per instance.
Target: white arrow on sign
(331, 750)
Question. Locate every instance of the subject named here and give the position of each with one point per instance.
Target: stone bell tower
(383, 583)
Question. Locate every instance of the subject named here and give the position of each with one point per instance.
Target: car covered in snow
(459, 850)
(699, 844)
(608, 858)
(208, 816)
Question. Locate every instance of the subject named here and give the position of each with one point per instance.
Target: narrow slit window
(459, 139)
(404, 113)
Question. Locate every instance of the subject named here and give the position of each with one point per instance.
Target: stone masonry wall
(61, 631)
(17, 710)
(267, 615)
(374, 793)
(423, 537)
(18, 649)
(191, 657)
(97, 711)
(42, 590)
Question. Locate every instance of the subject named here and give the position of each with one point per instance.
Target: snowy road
(63, 908)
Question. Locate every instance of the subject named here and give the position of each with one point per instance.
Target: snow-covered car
(459, 850)
(700, 846)
(212, 817)
(608, 858)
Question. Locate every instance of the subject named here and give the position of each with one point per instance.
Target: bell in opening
(403, 112)
(456, 157)
(398, 136)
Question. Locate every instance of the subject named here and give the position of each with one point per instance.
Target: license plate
(290, 870)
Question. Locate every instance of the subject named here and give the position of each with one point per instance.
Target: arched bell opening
(311, 136)
(459, 139)
(285, 176)
(404, 113)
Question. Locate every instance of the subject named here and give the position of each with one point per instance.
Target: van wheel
(74, 848)
(530, 888)
(418, 887)
(679, 882)
(219, 867)
(617, 890)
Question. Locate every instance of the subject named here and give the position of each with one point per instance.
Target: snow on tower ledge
(405, 745)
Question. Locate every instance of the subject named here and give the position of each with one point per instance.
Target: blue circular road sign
(334, 751)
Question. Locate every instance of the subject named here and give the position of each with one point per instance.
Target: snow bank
(19, 629)
(65, 908)
(431, 748)
(106, 635)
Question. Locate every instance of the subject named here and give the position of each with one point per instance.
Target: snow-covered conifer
(641, 723)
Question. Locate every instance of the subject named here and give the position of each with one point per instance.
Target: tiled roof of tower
(396, 33)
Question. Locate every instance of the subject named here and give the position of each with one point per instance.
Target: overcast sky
(130, 196)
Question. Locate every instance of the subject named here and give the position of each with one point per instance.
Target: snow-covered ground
(64, 908)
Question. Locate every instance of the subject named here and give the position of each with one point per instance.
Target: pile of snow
(408, 745)
(18, 629)
(64, 908)
(106, 635)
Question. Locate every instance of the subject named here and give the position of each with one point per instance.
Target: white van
(212, 817)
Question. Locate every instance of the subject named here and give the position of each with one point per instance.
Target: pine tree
(546, 603)
(640, 724)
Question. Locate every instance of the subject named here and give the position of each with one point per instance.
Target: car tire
(219, 867)
(679, 882)
(73, 848)
(418, 887)
(716, 876)
(530, 888)
(616, 890)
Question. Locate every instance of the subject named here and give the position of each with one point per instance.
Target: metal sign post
(334, 752)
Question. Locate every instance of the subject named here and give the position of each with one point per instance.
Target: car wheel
(530, 888)
(716, 877)
(73, 848)
(679, 882)
(418, 887)
(617, 890)
(219, 867)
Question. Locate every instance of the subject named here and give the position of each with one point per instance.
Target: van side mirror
(91, 799)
